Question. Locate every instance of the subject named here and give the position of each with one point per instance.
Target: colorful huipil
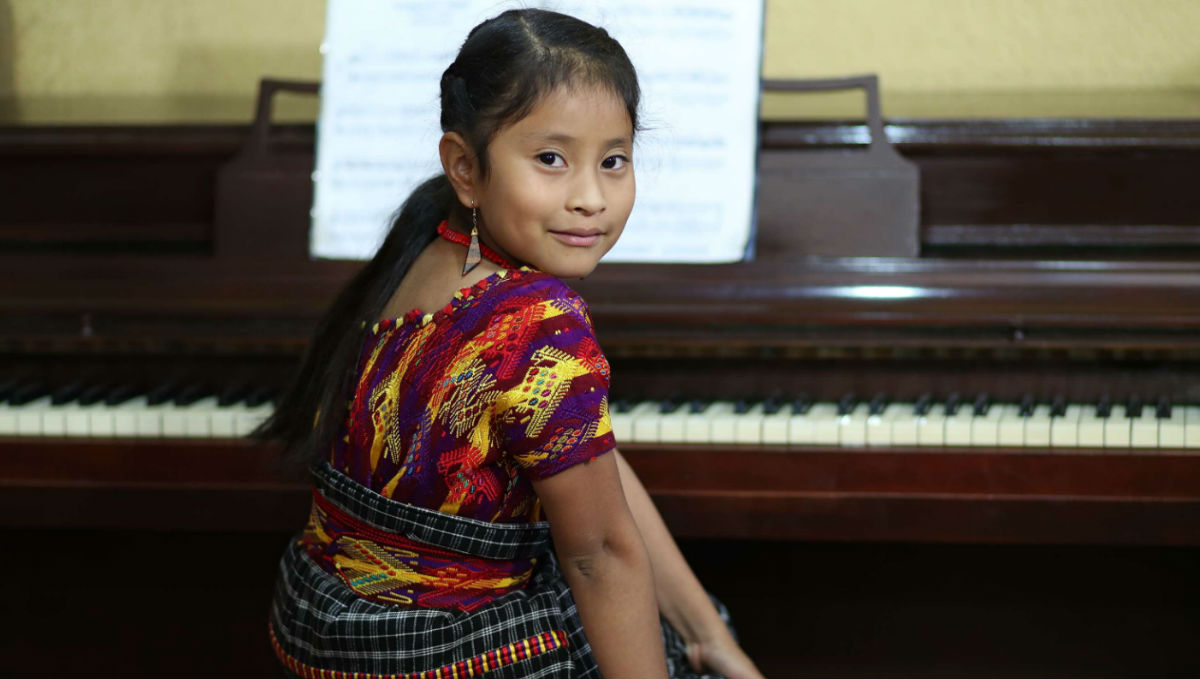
(456, 411)
(425, 554)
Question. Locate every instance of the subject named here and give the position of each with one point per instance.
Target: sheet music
(698, 64)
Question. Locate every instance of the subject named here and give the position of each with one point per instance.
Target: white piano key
(54, 419)
(775, 426)
(250, 417)
(1091, 428)
(1143, 430)
(645, 422)
(823, 424)
(748, 426)
(78, 419)
(672, 426)
(985, 429)
(622, 423)
(8, 421)
(102, 421)
(1117, 427)
(1191, 427)
(958, 427)
(1064, 430)
(931, 427)
(199, 420)
(697, 427)
(879, 427)
(223, 421)
(1011, 428)
(1037, 427)
(125, 417)
(29, 416)
(722, 422)
(1171, 429)
(852, 427)
(800, 427)
(904, 424)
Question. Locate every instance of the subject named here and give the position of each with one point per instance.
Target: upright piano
(1031, 379)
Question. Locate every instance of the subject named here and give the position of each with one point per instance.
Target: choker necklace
(453, 236)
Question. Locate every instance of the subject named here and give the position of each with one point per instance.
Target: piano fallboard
(706, 491)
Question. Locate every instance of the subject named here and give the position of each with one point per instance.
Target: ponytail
(307, 416)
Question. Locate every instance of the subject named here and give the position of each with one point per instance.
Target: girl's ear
(458, 162)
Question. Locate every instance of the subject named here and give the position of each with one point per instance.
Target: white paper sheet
(698, 64)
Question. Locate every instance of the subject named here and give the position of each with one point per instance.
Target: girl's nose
(587, 198)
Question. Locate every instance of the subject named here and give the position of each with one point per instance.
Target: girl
(471, 514)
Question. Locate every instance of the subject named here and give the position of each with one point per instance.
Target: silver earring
(473, 253)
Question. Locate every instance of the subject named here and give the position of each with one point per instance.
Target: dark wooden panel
(815, 493)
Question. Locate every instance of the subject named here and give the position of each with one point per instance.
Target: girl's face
(560, 186)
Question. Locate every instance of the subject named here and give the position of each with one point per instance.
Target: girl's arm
(606, 565)
(681, 598)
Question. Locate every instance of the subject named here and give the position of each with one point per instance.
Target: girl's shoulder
(527, 287)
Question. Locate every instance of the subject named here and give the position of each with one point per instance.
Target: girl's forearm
(614, 592)
(681, 598)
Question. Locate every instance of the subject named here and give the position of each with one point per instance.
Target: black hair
(505, 67)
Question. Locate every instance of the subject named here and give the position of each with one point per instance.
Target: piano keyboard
(120, 411)
(191, 412)
(878, 423)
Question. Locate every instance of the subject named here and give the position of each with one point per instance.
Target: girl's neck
(456, 222)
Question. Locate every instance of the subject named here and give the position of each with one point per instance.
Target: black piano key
(121, 393)
(772, 405)
(1104, 407)
(235, 393)
(742, 406)
(66, 393)
(922, 406)
(846, 404)
(1028, 403)
(953, 403)
(1134, 407)
(668, 407)
(982, 404)
(262, 394)
(1058, 407)
(878, 404)
(27, 393)
(161, 393)
(93, 394)
(801, 404)
(7, 388)
(1163, 409)
(698, 405)
(190, 394)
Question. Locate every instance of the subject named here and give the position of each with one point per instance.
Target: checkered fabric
(320, 627)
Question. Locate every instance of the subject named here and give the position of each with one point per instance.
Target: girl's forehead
(577, 112)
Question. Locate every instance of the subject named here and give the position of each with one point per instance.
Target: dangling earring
(473, 254)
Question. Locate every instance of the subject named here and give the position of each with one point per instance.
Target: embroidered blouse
(458, 409)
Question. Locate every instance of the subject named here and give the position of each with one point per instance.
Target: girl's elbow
(620, 551)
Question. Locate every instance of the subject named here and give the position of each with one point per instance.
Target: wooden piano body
(1060, 260)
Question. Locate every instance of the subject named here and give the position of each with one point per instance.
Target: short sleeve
(552, 411)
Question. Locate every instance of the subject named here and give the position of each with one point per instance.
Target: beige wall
(200, 59)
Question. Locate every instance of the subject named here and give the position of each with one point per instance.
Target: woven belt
(391, 568)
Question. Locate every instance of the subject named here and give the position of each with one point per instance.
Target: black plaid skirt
(321, 628)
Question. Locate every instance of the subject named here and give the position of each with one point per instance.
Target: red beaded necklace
(463, 239)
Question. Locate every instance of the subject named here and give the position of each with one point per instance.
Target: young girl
(471, 514)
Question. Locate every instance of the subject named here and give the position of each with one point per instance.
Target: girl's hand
(724, 657)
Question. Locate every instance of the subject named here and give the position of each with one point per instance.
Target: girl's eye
(614, 162)
(549, 158)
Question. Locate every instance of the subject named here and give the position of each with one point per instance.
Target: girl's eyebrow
(567, 139)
